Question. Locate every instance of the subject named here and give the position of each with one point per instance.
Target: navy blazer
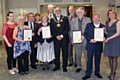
(39, 38)
(89, 34)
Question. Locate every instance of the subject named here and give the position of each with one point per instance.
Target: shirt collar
(97, 25)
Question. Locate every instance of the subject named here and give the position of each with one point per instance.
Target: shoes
(70, 64)
(21, 73)
(64, 70)
(41, 63)
(85, 77)
(75, 65)
(11, 72)
(56, 68)
(47, 66)
(78, 70)
(98, 75)
(15, 70)
(43, 68)
(34, 67)
(110, 75)
(36, 64)
(51, 62)
(26, 72)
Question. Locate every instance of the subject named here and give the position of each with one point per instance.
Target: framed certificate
(77, 37)
(98, 34)
(27, 34)
(46, 33)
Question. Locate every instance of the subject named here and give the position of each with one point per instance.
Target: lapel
(100, 26)
(60, 17)
(76, 23)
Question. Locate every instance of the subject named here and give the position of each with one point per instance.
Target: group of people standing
(48, 50)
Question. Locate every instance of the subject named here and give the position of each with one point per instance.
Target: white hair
(80, 8)
(50, 5)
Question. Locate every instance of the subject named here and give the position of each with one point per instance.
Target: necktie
(71, 17)
(31, 26)
(50, 16)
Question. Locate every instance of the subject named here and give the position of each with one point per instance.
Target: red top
(7, 30)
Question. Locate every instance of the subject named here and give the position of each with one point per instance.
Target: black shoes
(56, 68)
(51, 62)
(21, 73)
(98, 75)
(75, 65)
(33, 66)
(70, 64)
(64, 70)
(85, 77)
(78, 70)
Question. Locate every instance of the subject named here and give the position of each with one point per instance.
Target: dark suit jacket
(89, 34)
(35, 31)
(62, 30)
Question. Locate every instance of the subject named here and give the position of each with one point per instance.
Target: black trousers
(11, 62)
(23, 62)
(33, 56)
(64, 47)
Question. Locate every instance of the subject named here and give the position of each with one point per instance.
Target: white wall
(22, 4)
(117, 2)
(100, 5)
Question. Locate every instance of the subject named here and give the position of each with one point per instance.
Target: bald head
(71, 10)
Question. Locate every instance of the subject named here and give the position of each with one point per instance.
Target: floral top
(20, 47)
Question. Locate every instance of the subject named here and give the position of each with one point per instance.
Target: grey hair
(80, 8)
(50, 5)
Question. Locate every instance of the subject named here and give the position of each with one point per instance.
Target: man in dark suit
(33, 44)
(50, 8)
(94, 48)
(59, 28)
(70, 46)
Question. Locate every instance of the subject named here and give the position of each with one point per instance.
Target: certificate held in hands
(98, 34)
(27, 34)
(46, 33)
(77, 37)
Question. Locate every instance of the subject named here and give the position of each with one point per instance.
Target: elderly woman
(21, 48)
(45, 52)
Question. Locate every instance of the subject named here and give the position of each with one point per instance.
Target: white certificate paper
(46, 33)
(98, 34)
(77, 37)
(27, 35)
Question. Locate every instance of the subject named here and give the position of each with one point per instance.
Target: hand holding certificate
(27, 35)
(46, 33)
(77, 37)
(99, 34)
